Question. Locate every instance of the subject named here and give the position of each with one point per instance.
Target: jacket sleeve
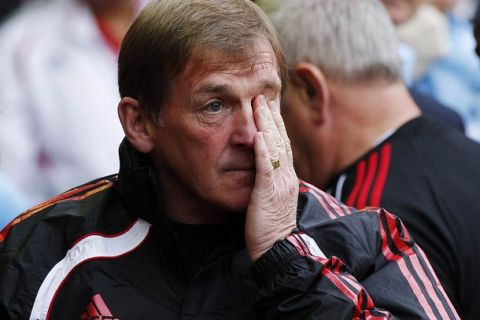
(298, 281)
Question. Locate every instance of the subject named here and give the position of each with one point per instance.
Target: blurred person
(207, 203)
(413, 19)
(454, 79)
(465, 9)
(356, 132)
(57, 86)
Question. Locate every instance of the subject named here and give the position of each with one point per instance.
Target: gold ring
(275, 164)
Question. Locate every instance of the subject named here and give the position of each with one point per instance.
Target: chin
(240, 201)
(241, 179)
(233, 194)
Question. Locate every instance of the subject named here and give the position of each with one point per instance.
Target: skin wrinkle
(215, 61)
(218, 144)
(216, 79)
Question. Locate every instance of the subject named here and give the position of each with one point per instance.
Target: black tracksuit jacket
(105, 251)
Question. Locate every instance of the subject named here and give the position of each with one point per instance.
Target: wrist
(274, 260)
(260, 251)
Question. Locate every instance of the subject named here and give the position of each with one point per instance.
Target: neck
(183, 205)
(365, 112)
(193, 212)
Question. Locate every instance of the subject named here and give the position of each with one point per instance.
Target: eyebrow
(214, 88)
(222, 88)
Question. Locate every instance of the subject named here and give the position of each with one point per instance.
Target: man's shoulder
(436, 110)
(80, 210)
(434, 145)
(317, 208)
(43, 245)
(350, 234)
(425, 140)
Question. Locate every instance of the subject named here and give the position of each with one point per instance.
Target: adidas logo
(97, 310)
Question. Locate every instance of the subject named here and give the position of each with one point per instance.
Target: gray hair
(349, 40)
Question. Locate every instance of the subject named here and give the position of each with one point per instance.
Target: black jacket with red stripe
(105, 251)
(428, 175)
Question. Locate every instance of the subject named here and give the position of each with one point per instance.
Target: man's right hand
(272, 211)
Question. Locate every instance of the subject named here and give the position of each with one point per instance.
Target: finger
(274, 105)
(277, 117)
(278, 141)
(265, 123)
(263, 165)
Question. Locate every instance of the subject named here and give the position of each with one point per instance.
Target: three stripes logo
(97, 310)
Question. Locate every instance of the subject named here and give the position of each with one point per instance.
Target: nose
(244, 126)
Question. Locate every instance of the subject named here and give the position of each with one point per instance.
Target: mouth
(241, 173)
(241, 169)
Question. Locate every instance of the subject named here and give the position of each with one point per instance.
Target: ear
(316, 90)
(138, 127)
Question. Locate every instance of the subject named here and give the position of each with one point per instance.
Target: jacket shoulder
(64, 213)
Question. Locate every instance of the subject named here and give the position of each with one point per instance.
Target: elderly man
(206, 219)
(356, 132)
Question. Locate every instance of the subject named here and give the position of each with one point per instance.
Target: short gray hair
(349, 40)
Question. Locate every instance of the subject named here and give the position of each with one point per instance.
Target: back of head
(168, 33)
(349, 40)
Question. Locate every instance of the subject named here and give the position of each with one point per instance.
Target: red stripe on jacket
(377, 192)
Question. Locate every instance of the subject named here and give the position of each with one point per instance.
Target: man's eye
(214, 107)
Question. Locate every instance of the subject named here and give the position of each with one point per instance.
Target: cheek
(208, 151)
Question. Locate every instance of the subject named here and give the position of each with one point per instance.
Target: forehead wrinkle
(218, 62)
(267, 83)
(222, 80)
(213, 73)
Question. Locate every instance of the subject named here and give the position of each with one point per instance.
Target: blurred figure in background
(57, 89)
(454, 78)
(357, 133)
(413, 20)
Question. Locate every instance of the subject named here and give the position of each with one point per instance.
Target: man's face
(204, 141)
(401, 10)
